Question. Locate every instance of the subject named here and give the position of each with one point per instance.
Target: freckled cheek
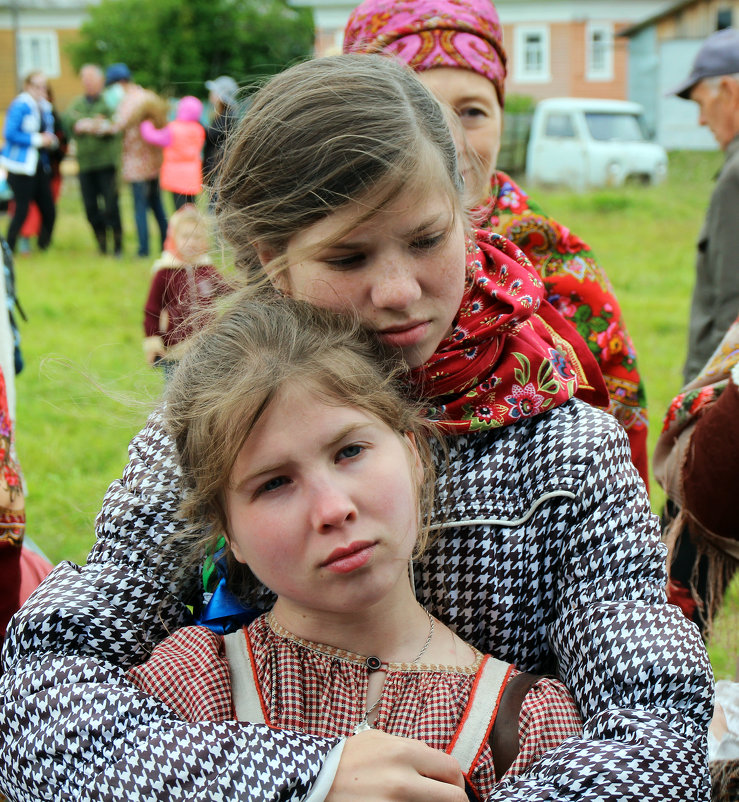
(450, 273)
(329, 290)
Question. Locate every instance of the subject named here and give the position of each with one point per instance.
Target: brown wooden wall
(65, 87)
(696, 21)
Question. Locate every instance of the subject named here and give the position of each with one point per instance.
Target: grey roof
(655, 18)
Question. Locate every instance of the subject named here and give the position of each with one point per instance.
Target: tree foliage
(174, 46)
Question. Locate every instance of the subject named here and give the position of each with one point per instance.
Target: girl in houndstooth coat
(341, 187)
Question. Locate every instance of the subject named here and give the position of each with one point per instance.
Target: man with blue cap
(714, 85)
(115, 77)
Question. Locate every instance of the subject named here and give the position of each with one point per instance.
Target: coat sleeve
(73, 727)
(635, 665)
(724, 247)
(154, 303)
(13, 130)
(162, 137)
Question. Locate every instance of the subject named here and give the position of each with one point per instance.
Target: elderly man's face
(93, 81)
(718, 108)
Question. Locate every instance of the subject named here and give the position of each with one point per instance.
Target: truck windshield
(609, 126)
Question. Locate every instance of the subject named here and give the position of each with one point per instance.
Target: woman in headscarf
(456, 48)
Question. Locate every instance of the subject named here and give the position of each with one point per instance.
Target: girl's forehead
(307, 394)
(300, 420)
(411, 211)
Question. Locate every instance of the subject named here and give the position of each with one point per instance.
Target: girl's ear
(235, 549)
(268, 258)
(265, 254)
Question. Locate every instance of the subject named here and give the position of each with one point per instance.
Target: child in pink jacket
(182, 141)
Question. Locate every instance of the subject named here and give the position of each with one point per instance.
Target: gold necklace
(374, 663)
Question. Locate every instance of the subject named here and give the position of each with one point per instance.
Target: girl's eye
(428, 243)
(349, 452)
(345, 262)
(472, 114)
(273, 484)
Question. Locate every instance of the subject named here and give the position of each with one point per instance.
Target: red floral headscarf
(432, 33)
(511, 355)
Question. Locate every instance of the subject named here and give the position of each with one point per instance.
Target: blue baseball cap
(117, 72)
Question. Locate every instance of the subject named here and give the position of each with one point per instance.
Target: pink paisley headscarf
(432, 33)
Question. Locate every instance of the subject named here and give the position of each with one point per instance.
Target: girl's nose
(331, 507)
(396, 287)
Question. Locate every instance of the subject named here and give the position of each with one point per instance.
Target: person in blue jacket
(29, 135)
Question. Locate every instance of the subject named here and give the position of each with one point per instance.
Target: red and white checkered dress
(321, 690)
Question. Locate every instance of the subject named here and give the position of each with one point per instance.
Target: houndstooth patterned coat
(549, 558)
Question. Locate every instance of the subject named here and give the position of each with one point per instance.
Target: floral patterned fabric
(432, 33)
(12, 520)
(510, 355)
(578, 287)
(703, 563)
(705, 388)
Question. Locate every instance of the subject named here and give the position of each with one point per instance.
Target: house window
(38, 50)
(599, 49)
(724, 19)
(532, 54)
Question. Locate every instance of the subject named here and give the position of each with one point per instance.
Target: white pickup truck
(582, 143)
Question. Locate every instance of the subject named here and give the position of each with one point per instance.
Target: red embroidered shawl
(511, 355)
(579, 289)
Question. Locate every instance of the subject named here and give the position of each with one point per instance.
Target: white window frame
(38, 50)
(524, 74)
(604, 71)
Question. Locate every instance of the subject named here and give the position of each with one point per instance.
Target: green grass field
(86, 388)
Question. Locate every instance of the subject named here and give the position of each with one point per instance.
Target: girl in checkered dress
(296, 444)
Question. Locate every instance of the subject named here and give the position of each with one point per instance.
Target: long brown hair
(322, 134)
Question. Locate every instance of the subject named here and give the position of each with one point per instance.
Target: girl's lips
(405, 337)
(346, 560)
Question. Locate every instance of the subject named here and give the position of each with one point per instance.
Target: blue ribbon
(224, 613)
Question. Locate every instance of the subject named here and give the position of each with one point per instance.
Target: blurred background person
(222, 97)
(89, 118)
(140, 160)
(32, 224)
(713, 84)
(182, 141)
(29, 137)
(115, 78)
(184, 282)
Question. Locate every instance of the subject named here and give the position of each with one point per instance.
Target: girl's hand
(154, 349)
(377, 767)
